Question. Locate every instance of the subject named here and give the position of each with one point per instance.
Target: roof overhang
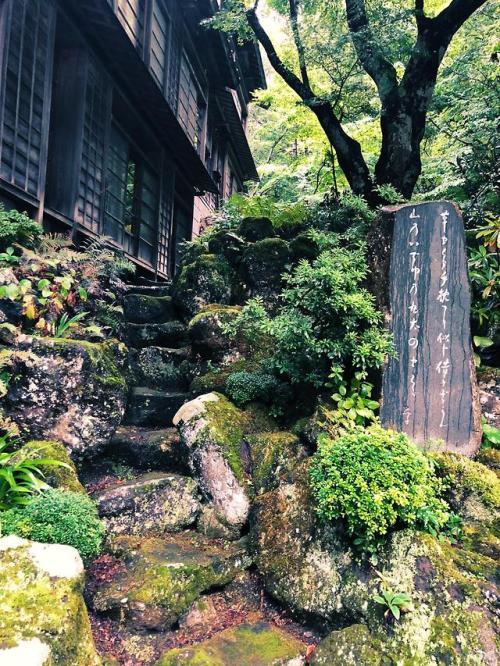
(98, 21)
(237, 134)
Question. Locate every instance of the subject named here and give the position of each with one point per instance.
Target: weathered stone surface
(160, 368)
(203, 613)
(256, 228)
(152, 289)
(146, 309)
(206, 330)
(163, 577)
(429, 387)
(212, 429)
(259, 644)
(153, 503)
(67, 390)
(273, 455)
(43, 620)
(213, 527)
(207, 280)
(146, 406)
(169, 334)
(303, 246)
(263, 264)
(352, 646)
(307, 565)
(64, 477)
(227, 244)
(149, 448)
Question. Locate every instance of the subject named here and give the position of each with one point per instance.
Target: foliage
(245, 387)
(375, 481)
(354, 406)
(327, 326)
(395, 602)
(281, 214)
(21, 479)
(58, 516)
(9, 256)
(491, 436)
(16, 227)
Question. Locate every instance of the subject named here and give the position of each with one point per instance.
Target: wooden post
(429, 389)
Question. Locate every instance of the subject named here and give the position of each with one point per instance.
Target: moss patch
(258, 644)
(273, 454)
(65, 478)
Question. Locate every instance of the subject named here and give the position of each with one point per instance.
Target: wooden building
(123, 118)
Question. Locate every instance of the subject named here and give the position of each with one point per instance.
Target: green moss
(102, 356)
(215, 380)
(208, 279)
(57, 477)
(352, 646)
(273, 454)
(490, 458)
(224, 312)
(51, 609)
(251, 644)
(258, 419)
(469, 478)
(226, 425)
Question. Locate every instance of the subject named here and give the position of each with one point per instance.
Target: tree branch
(294, 20)
(454, 16)
(289, 77)
(369, 53)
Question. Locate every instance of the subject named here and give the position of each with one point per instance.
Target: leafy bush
(281, 214)
(375, 480)
(58, 516)
(328, 325)
(354, 406)
(245, 387)
(17, 227)
(21, 478)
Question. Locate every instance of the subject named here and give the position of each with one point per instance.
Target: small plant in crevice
(20, 478)
(395, 603)
(354, 406)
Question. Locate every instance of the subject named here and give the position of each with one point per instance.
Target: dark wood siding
(26, 94)
(97, 114)
(160, 40)
(131, 16)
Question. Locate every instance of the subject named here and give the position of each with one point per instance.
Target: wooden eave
(101, 26)
(236, 134)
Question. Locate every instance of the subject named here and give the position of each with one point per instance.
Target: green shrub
(376, 480)
(328, 324)
(245, 387)
(16, 227)
(58, 516)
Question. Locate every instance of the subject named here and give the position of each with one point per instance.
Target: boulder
(212, 526)
(64, 477)
(160, 368)
(206, 331)
(44, 620)
(273, 455)
(149, 448)
(227, 244)
(257, 644)
(212, 430)
(161, 578)
(146, 406)
(153, 503)
(71, 391)
(352, 646)
(308, 565)
(256, 228)
(145, 309)
(303, 246)
(208, 279)
(263, 264)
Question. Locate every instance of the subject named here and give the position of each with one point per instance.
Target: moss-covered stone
(259, 644)
(256, 228)
(273, 455)
(212, 429)
(209, 279)
(160, 368)
(489, 458)
(263, 264)
(41, 600)
(227, 244)
(206, 331)
(64, 477)
(215, 379)
(169, 334)
(303, 246)
(161, 578)
(71, 391)
(474, 490)
(146, 309)
(352, 646)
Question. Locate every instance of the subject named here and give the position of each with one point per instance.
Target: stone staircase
(161, 581)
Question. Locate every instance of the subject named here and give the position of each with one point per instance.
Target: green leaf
(482, 342)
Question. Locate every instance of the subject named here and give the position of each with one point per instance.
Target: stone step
(150, 504)
(255, 643)
(147, 406)
(148, 448)
(160, 368)
(146, 309)
(158, 579)
(170, 334)
(154, 289)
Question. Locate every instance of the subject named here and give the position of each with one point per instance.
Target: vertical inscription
(428, 388)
